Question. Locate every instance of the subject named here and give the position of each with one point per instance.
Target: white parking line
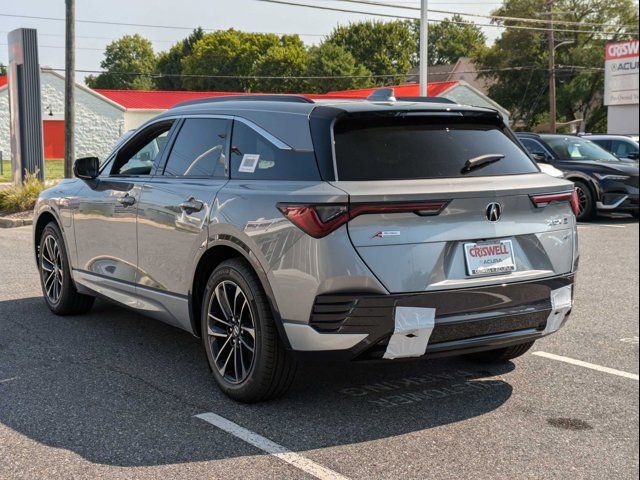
(271, 448)
(592, 366)
(605, 225)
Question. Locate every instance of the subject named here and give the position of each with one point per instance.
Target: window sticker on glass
(249, 163)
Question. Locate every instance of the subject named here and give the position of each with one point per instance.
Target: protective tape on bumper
(413, 327)
(561, 304)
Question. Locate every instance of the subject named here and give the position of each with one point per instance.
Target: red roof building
(164, 99)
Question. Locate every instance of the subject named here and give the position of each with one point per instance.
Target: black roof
(287, 116)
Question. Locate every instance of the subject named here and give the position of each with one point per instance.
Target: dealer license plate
(489, 258)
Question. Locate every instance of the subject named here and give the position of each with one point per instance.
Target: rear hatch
(450, 201)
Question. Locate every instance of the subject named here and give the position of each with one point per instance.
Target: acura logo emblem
(493, 212)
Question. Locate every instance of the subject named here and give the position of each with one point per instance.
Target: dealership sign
(621, 73)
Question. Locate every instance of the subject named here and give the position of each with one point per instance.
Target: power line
(62, 47)
(406, 17)
(491, 17)
(322, 77)
(144, 25)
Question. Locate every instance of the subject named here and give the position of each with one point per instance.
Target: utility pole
(424, 42)
(69, 86)
(552, 69)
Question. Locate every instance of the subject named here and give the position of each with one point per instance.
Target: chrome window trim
(256, 128)
(333, 149)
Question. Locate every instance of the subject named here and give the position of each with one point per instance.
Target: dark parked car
(604, 182)
(276, 228)
(620, 145)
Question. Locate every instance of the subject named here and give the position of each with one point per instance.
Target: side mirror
(86, 168)
(540, 157)
(634, 156)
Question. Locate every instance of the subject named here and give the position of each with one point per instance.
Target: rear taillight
(541, 201)
(319, 220)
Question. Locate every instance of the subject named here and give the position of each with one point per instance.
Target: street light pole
(424, 42)
(69, 86)
(552, 69)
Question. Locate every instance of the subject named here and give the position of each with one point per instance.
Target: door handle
(192, 205)
(127, 200)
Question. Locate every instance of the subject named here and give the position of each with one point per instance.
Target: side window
(606, 144)
(139, 154)
(253, 157)
(200, 149)
(622, 149)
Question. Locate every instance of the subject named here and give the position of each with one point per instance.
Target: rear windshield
(404, 148)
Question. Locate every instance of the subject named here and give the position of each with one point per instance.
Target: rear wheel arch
(219, 252)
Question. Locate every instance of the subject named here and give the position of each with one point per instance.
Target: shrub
(19, 198)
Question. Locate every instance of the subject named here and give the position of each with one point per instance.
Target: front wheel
(586, 202)
(501, 354)
(58, 289)
(245, 353)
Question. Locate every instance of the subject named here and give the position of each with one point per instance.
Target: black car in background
(621, 146)
(604, 182)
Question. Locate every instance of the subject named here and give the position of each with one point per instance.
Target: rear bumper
(359, 326)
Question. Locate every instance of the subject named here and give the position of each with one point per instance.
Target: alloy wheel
(51, 268)
(583, 200)
(231, 332)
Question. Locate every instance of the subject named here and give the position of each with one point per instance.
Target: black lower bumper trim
(473, 315)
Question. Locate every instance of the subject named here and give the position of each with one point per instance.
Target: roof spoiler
(247, 98)
(388, 95)
(427, 99)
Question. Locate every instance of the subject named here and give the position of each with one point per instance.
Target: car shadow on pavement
(120, 389)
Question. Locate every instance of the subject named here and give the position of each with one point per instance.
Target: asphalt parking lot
(115, 395)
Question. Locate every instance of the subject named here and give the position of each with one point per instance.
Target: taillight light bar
(541, 201)
(319, 220)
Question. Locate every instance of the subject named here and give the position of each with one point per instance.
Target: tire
(636, 215)
(587, 201)
(59, 292)
(231, 329)
(501, 354)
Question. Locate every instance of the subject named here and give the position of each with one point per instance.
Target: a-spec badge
(391, 233)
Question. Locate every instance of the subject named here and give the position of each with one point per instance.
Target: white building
(99, 121)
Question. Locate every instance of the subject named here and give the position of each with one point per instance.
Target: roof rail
(426, 99)
(247, 98)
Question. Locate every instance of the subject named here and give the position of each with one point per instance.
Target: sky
(247, 15)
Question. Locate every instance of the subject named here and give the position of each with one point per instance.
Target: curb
(15, 222)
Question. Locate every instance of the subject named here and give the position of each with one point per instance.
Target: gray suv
(279, 229)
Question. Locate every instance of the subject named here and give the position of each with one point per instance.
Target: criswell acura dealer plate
(489, 258)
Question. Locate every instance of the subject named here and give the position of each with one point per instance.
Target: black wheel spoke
(231, 331)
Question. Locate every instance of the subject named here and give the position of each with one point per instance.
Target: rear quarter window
(403, 148)
(254, 157)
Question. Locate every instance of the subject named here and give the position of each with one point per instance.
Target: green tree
(329, 59)
(287, 60)
(386, 49)
(170, 62)
(226, 60)
(524, 89)
(3, 69)
(124, 59)
(451, 39)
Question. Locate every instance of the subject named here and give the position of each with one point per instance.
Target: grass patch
(19, 198)
(53, 170)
